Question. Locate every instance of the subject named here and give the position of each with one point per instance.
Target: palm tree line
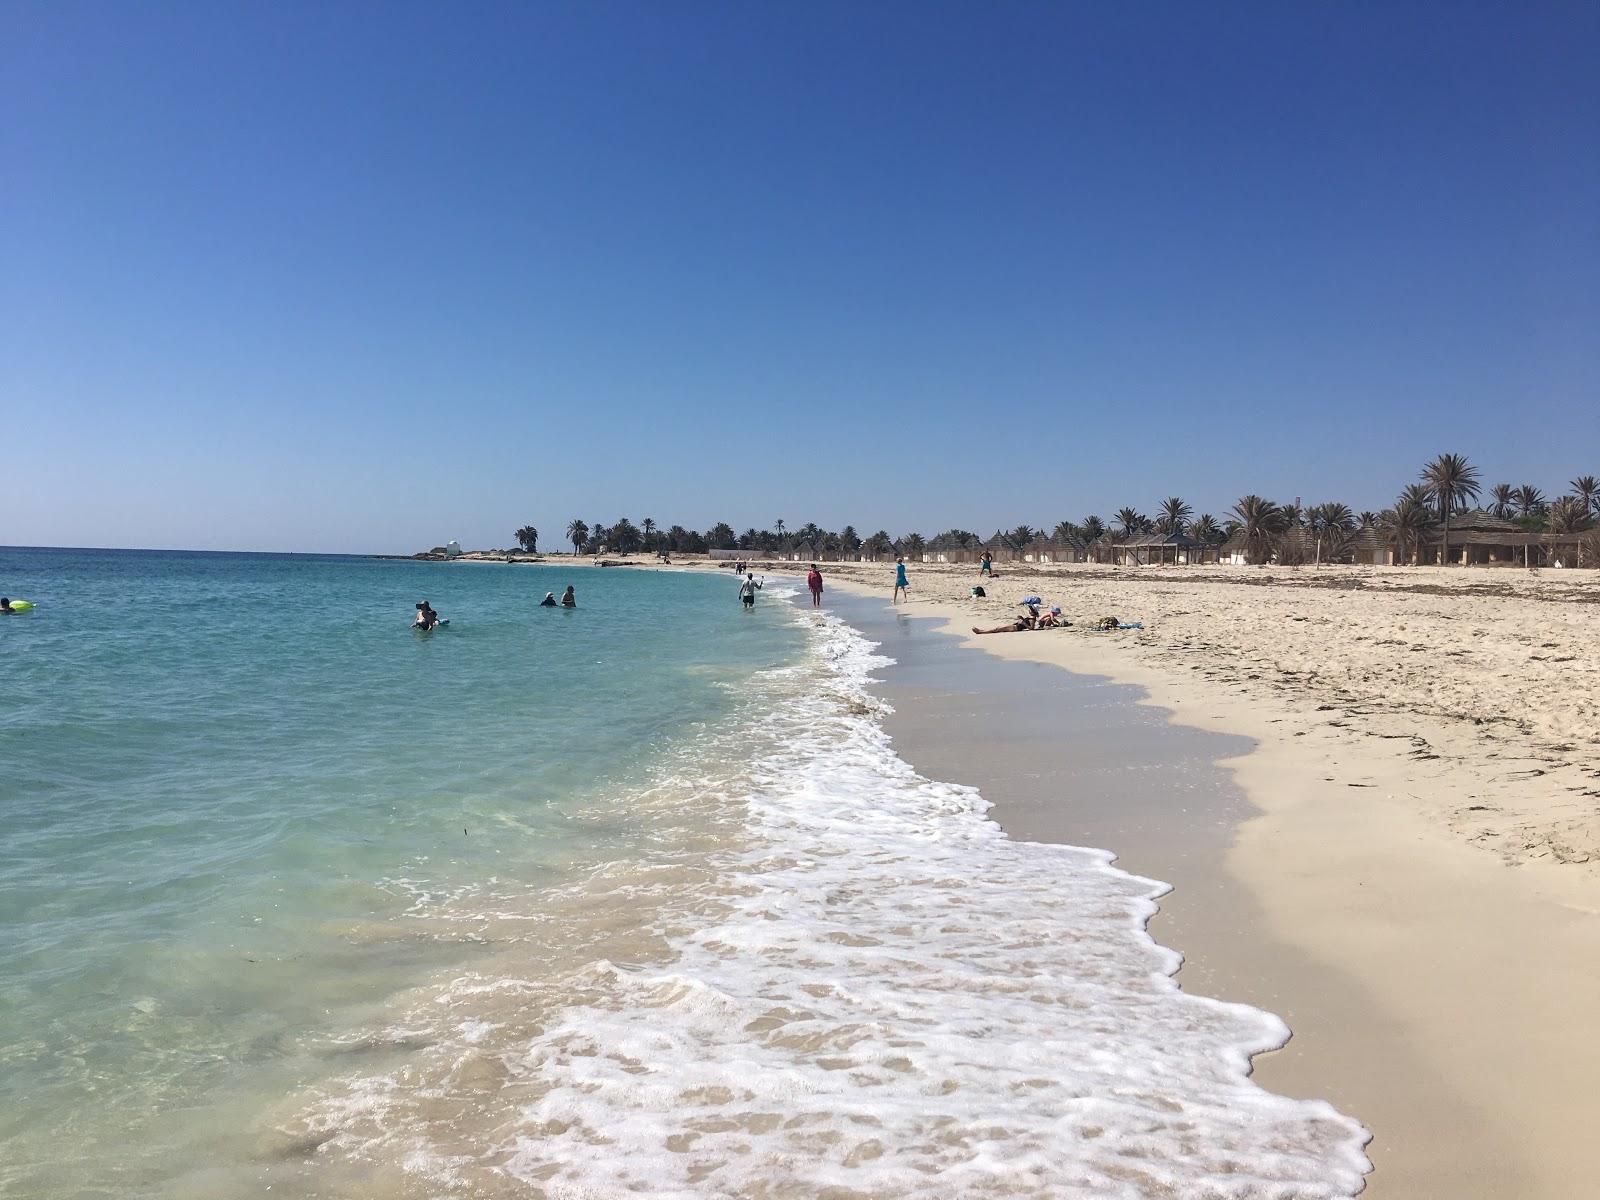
(1420, 516)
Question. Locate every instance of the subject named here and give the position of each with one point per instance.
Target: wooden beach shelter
(1479, 538)
(1154, 549)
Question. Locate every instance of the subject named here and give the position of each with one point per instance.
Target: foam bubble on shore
(872, 991)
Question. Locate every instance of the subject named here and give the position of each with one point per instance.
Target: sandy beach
(1414, 884)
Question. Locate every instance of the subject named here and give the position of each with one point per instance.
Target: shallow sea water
(631, 900)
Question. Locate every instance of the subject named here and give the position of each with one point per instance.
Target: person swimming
(549, 600)
(5, 607)
(426, 617)
(569, 598)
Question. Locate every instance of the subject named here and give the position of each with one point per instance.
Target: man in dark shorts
(747, 590)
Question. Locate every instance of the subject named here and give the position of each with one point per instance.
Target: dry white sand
(1428, 776)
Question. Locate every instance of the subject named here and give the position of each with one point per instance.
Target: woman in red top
(814, 582)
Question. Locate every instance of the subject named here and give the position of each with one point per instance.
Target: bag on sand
(978, 593)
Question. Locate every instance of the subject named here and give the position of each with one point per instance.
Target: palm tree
(1530, 502)
(1454, 482)
(528, 538)
(1410, 522)
(623, 536)
(1587, 489)
(1065, 531)
(911, 546)
(1367, 519)
(1021, 535)
(1092, 527)
(849, 541)
(1569, 515)
(721, 537)
(649, 527)
(1262, 521)
(1129, 521)
(1331, 522)
(1505, 500)
(1174, 516)
(577, 534)
(1206, 531)
(778, 525)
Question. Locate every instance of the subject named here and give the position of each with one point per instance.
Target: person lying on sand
(1013, 626)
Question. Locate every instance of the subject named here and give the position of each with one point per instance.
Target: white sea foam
(872, 991)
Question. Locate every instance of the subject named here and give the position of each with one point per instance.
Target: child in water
(814, 582)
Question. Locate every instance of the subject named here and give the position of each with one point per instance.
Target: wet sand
(1077, 758)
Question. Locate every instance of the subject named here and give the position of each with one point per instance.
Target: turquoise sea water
(227, 782)
(636, 899)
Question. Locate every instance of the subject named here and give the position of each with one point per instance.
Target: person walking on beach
(986, 565)
(747, 590)
(901, 583)
(814, 582)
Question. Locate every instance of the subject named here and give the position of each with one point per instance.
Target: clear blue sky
(368, 277)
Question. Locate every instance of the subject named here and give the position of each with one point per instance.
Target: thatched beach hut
(1002, 548)
(1055, 550)
(948, 549)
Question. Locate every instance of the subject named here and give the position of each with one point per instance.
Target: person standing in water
(426, 618)
(747, 590)
(814, 582)
(549, 600)
(901, 583)
(569, 598)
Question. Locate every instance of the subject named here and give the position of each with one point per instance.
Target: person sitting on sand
(814, 582)
(569, 598)
(748, 587)
(426, 617)
(549, 600)
(1051, 620)
(1017, 625)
